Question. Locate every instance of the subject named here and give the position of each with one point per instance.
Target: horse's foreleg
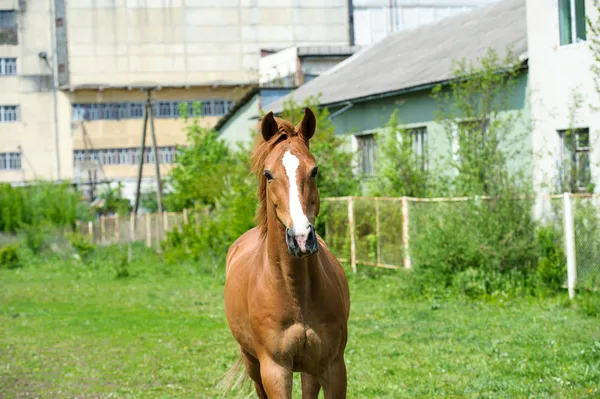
(276, 380)
(310, 386)
(334, 385)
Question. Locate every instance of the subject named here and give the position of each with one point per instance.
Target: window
(419, 145)
(8, 19)
(367, 148)
(8, 66)
(571, 21)
(125, 156)
(10, 160)
(575, 155)
(9, 113)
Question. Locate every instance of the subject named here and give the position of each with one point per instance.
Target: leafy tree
(113, 201)
(399, 170)
(336, 177)
(473, 113)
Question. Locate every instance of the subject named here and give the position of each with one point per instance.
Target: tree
(473, 111)
(336, 176)
(399, 171)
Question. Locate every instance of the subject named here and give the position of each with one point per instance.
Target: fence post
(351, 225)
(166, 223)
(377, 230)
(405, 221)
(91, 230)
(102, 229)
(148, 230)
(570, 244)
(185, 216)
(131, 227)
(117, 229)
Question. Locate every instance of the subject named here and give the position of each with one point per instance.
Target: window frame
(14, 111)
(572, 155)
(576, 31)
(367, 171)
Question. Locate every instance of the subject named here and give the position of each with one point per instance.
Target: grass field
(75, 331)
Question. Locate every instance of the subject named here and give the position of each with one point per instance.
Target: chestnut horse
(286, 296)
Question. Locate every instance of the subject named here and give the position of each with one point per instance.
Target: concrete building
(375, 19)
(563, 94)
(279, 73)
(363, 91)
(106, 52)
(555, 91)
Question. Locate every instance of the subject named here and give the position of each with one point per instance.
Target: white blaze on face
(299, 219)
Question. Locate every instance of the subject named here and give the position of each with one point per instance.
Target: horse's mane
(261, 150)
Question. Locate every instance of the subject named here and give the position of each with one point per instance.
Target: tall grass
(41, 203)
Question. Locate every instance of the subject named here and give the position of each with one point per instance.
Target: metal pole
(570, 244)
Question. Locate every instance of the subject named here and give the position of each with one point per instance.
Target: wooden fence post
(91, 230)
(185, 216)
(351, 228)
(148, 231)
(132, 227)
(377, 230)
(405, 222)
(117, 229)
(166, 222)
(102, 229)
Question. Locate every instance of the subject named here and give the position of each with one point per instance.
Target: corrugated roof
(421, 56)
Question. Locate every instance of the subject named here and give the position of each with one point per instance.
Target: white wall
(122, 42)
(556, 73)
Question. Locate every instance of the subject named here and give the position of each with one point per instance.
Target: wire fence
(381, 232)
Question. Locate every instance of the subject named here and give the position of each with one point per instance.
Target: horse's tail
(234, 378)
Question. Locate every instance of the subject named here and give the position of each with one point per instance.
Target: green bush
(551, 267)
(82, 245)
(588, 303)
(9, 257)
(492, 242)
(54, 204)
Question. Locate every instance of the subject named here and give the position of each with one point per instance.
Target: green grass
(68, 330)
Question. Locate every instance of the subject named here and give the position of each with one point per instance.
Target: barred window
(125, 156)
(8, 66)
(9, 113)
(8, 19)
(10, 160)
(161, 109)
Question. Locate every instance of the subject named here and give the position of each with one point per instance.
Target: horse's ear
(268, 126)
(307, 126)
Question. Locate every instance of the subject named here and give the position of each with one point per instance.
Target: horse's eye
(268, 174)
(314, 172)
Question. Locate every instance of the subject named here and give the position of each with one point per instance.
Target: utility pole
(148, 115)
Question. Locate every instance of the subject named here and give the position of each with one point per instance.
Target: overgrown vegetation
(39, 203)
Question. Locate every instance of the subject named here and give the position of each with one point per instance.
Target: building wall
(374, 19)
(238, 129)
(31, 91)
(558, 74)
(127, 133)
(118, 42)
(418, 109)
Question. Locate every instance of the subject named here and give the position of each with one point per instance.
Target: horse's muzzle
(301, 243)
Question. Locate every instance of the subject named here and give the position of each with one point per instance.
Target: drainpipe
(351, 23)
(52, 68)
(341, 110)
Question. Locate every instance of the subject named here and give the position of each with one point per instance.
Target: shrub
(494, 238)
(82, 245)
(9, 257)
(588, 303)
(551, 265)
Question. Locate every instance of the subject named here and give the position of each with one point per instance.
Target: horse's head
(289, 178)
